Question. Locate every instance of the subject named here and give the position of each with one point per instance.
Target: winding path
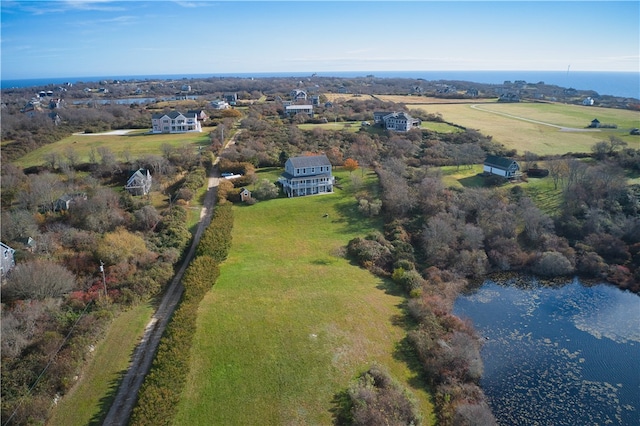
(126, 396)
(561, 128)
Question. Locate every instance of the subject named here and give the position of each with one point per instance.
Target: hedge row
(216, 240)
(162, 387)
(195, 179)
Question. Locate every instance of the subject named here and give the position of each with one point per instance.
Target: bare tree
(38, 279)
(42, 191)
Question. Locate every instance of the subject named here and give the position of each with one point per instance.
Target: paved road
(125, 399)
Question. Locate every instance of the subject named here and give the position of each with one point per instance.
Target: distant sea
(623, 84)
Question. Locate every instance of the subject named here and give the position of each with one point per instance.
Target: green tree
(265, 190)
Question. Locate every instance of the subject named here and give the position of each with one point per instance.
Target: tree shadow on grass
(352, 221)
(341, 408)
(107, 399)
(474, 181)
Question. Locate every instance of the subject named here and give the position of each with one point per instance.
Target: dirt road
(144, 353)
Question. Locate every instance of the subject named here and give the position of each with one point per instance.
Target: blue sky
(103, 38)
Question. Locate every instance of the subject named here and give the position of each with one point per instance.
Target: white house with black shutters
(307, 176)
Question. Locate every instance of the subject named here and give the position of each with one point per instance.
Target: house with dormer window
(307, 176)
(175, 122)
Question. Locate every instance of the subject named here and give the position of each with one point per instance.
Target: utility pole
(104, 281)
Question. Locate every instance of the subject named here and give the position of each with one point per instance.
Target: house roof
(310, 161)
(176, 114)
(139, 174)
(6, 247)
(400, 114)
(304, 107)
(498, 162)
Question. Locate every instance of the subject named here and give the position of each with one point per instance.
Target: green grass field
(439, 127)
(500, 122)
(135, 144)
(351, 126)
(291, 322)
(89, 398)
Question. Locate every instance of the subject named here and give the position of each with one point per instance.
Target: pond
(561, 355)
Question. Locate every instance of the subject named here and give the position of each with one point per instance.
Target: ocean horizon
(622, 84)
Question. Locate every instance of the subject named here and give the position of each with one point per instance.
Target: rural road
(126, 396)
(561, 128)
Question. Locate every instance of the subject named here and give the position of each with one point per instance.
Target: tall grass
(291, 322)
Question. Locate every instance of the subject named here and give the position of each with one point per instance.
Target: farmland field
(290, 321)
(508, 125)
(513, 124)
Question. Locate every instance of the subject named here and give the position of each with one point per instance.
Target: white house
(7, 261)
(175, 122)
(219, 104)
(307, 176)
(501, 166)
(298, 109)
(298, 95)
(139, 183)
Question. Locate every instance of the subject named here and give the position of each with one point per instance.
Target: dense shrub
(38, 279)
(552, 264)
(216, 240)
(375, 398)
(371, 251)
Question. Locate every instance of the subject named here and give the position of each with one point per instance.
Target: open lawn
(513, 125)
(540, 190)
(291, 322)
(135, 144)
(89, 399)
(351, 126)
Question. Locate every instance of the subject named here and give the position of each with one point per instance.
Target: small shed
(501, 166)
(595, 123)
(64, 203)
(245, 195)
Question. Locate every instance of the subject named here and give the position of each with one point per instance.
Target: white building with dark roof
(175, 122)
(396, 121)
